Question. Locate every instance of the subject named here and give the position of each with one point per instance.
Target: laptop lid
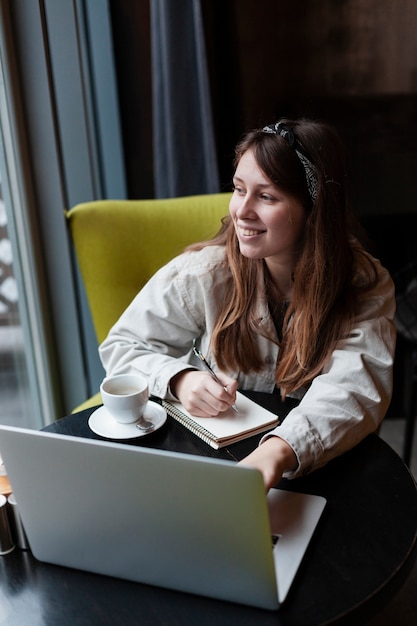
(188, 523)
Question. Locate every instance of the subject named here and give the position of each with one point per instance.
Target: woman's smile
(246, 232)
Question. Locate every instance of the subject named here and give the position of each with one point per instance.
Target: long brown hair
(325, 274)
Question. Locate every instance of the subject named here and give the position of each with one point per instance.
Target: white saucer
(103, 424)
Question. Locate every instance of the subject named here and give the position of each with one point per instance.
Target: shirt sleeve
(349, 399)
(154, 336)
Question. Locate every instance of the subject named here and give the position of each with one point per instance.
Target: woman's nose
(245, 208)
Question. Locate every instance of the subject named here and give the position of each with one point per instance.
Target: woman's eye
(266, 197)
(238, 190)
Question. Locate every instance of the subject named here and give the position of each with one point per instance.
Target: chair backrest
(120, 244)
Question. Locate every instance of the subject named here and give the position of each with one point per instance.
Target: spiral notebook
(229, 427)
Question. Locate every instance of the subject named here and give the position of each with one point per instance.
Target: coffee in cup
(125, 396)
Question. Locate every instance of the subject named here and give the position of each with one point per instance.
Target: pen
(206, 364)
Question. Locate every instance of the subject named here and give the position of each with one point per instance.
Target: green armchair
(120, 244)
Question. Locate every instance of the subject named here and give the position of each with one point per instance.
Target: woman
(284, 299)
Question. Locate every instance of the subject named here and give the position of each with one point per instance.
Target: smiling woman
(284, 300)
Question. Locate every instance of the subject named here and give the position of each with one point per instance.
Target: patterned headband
(310, 170)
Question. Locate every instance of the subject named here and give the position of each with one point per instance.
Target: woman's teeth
(250, 233)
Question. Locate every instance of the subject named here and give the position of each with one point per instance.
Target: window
(59, 146)
(24, 389)
(14, 379)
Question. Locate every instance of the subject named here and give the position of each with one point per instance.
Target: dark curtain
(185, 160)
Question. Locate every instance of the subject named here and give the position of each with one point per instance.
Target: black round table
(361, 553)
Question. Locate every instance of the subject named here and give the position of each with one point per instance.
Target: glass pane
(14, 383)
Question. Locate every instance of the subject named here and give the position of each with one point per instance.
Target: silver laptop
(193, 524)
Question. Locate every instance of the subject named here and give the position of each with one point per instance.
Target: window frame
(61, 85)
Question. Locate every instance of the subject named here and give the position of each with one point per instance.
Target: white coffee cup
(125, 396)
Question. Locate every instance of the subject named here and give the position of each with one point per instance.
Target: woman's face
(268, 222)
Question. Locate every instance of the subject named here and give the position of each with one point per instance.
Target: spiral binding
(189, 423)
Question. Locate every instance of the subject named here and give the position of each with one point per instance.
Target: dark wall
(351, 63)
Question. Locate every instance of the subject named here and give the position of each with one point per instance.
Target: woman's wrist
(175, 380)
(285, 455)
(273, 458)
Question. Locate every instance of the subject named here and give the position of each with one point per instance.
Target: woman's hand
(273, 457)
(201, 395)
